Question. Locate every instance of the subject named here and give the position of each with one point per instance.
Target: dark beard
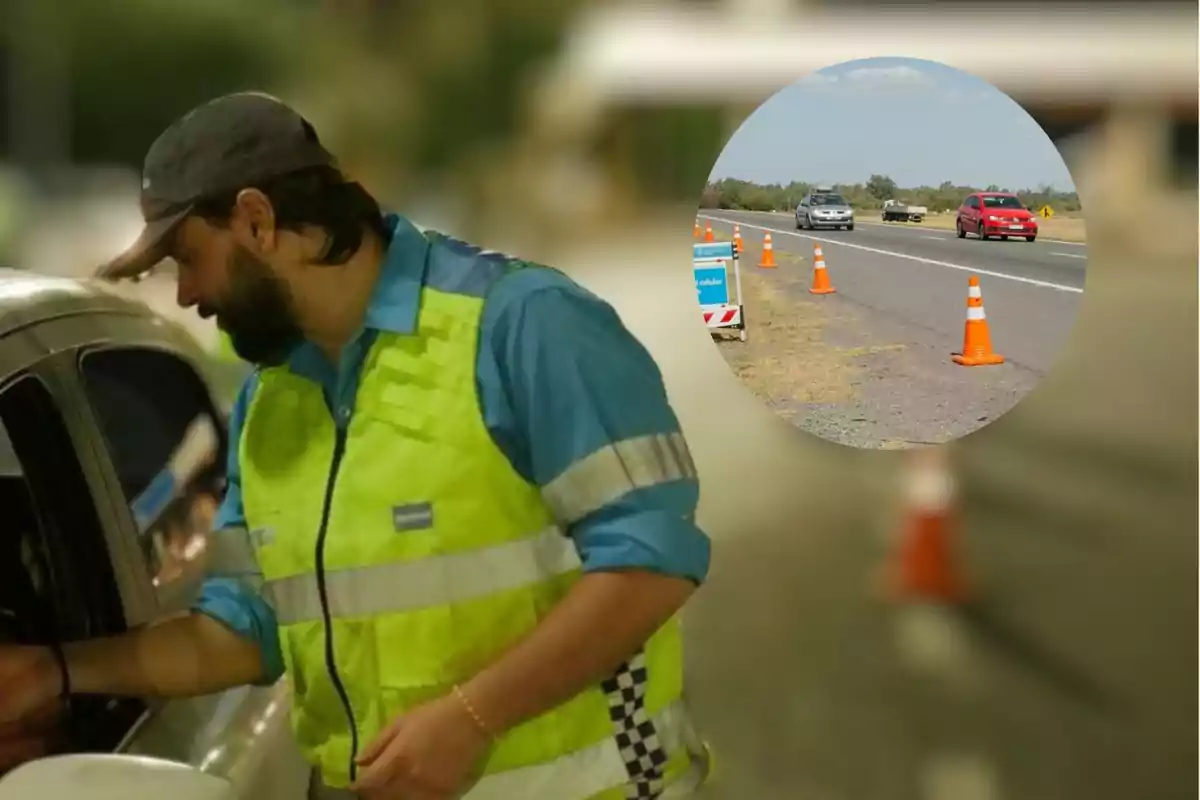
(257, 313)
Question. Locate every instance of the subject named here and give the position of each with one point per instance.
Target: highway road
(906, 287)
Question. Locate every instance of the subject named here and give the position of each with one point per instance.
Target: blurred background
(581, 135)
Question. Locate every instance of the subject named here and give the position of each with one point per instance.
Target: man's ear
(253, 220)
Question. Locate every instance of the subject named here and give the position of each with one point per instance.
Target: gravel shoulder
(854, 374)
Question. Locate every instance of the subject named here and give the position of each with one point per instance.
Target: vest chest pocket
(406, 411)
(432, 403)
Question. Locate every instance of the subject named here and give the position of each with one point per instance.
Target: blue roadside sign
(708, 268)
(704, 251)
(710, 262)
(712, 283)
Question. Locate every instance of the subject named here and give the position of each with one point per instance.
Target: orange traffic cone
(820, 284)
(696, 232)
(977, 341)
(768, 253)
(708, 234)
(924, 567)
(737, 238)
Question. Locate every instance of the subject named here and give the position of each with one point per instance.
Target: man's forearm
(603, 620)
(181, 657)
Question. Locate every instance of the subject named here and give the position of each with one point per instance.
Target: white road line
(1069, 255)
(935, 238)
(974, 271)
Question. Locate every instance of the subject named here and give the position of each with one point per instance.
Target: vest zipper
(339, 447)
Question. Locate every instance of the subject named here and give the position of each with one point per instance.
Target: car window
(828, 200)
(57, 581)
(28, 606)
(973, 201)
(1002, 202)
(167, 447)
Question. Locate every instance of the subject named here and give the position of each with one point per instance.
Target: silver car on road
(824, 210)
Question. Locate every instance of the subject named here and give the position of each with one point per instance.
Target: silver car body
(49, 328)
(824, 210)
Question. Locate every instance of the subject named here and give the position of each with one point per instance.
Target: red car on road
(988, 214)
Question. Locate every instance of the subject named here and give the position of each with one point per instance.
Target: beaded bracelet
(479, 723)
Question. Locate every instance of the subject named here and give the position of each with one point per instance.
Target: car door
(159, 443)
(802, 210)
(971, 213)
(59, 581)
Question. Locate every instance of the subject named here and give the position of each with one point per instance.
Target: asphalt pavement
(918, 276)
(906, 286)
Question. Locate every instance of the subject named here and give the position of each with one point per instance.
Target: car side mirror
(111, 777)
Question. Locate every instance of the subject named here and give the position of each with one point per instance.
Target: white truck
(894, 210)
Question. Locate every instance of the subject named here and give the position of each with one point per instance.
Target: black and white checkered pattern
(643, 754)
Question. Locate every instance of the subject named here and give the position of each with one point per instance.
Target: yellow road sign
(1046, 212)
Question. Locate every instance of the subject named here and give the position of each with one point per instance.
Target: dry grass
(785, 359)
(1068, 229)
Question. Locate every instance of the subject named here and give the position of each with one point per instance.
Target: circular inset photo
(890, 253)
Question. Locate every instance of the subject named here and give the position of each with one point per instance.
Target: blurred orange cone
(737, 238)
(696, 232)
(708, 234)
(820, 284)
(924, 567)
(977, 340)
(768, 254)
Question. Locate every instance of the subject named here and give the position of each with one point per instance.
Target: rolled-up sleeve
(230, 592)
(579, 407)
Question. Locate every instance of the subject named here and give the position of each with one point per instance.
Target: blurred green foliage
(468, 63)
(409, 95)
(662, 151)
(134, 66)
(432, 82)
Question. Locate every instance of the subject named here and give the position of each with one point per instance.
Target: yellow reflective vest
(402, 553)
(224, 350)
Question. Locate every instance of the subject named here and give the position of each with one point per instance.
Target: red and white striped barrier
(709, 267)
(722, 316)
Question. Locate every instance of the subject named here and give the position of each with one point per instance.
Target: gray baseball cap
(223, 145)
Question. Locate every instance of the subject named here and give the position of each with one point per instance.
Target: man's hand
(430, 753)
(30, 681)
(34, 736)
(30, 707)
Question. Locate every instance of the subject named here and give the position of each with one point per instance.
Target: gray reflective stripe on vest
(613, 471)
(586, 772)
(230, 551)
(434, 581)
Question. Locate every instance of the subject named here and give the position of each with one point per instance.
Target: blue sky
(916, 121)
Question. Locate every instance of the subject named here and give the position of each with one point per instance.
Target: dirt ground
(822, 365)
(788, 361)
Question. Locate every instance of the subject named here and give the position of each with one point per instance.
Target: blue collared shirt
(559, 379)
